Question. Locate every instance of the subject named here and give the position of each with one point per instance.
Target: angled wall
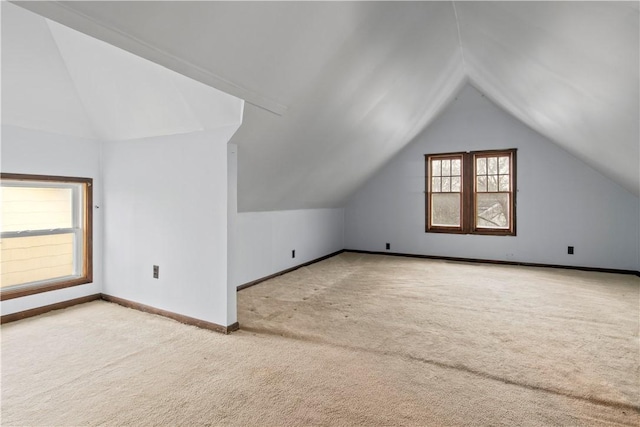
(37, 91)
(160, 163)
(560, 200)
(165, 204)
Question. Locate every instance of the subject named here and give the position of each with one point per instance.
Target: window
(471, 193)
(46, 233)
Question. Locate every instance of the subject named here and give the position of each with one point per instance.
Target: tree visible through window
(46, 233)
(471, 192)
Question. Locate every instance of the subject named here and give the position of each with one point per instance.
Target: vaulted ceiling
(334, 89)
(59, 80)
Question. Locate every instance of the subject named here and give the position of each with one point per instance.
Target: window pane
(435, 167)
(492, 210)
(504, 165)
(26, 208)
(435, 185)
(481, 166)
(455, 184)
(504, 183)
(492, 183)
(446, 185)
(445, 209)
(446, 167)
(30, 259)
(492, 165)
(481, 184)
(455, 167)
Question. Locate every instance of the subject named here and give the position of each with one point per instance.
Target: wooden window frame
(469, 193)
(87, 241)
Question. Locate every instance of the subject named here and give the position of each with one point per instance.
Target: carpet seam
(444, 365)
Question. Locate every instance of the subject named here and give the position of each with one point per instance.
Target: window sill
(46, 287)
(473, 233)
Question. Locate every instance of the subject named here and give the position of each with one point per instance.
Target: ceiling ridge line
(248, 95)
(464, 62)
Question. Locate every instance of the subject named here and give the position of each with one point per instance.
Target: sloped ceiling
(37, 91)
(568, 70)
(59, 80)
(334, 89)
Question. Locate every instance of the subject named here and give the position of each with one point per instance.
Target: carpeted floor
(352, 340)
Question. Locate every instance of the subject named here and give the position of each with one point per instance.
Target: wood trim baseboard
(125, 303)
(288, 270)
(489, 261)
(171, 315)
(47, 308)
(235, 326)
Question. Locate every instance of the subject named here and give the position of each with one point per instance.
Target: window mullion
(483, 205)
(468, 190)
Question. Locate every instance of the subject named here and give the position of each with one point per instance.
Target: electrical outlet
(388, 246)
(570, 250)
(156, 272)
(293, 253)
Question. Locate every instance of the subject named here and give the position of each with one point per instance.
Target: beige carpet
(353, 340)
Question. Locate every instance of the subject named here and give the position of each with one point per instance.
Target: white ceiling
(569, 70)
(334, 89)
(37, 90)
(60, 80)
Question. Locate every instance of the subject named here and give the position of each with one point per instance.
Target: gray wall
(264, 240)
(560, 201)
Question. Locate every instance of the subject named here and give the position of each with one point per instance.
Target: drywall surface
(265, 240)
(37, 90)
(560, 200)
(166, 205)
(232, 219)
(41, 153)
(128, 97)
(59, 80)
